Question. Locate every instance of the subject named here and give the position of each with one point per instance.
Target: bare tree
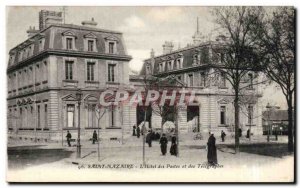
(238, 56)
(277, 46)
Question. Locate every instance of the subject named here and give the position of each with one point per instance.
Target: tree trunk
(236, 120)
(290, 125)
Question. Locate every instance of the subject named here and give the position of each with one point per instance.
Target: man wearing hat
(163, 144)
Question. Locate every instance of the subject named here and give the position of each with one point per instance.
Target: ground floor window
(70, 115)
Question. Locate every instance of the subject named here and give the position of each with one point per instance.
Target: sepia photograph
(150, 94)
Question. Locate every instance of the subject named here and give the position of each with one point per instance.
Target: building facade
(195, 66)
(45, 71)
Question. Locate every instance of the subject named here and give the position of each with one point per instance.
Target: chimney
(152, 53)
(89, 23)
(31, 31)
(167, 47)
(48, 18)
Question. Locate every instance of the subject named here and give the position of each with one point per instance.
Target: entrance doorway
(193, 115)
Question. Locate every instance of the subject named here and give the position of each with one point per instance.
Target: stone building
(46, 70)
(194, 66)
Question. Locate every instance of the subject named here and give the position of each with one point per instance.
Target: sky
(144, 28)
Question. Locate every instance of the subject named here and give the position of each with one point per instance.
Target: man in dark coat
(223, 135)
(248, 133)
(163, 144)
(133, 131)
(212, 150)
(69, 136)
(138, 132)
(149, 138)
(95, 137)
(173, 149)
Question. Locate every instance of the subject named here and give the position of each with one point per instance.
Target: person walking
(212, 150)
(138, 132)
(95, 137)
(149, 138)
(163, 144)
(133, 131)
(223, 135)
(69, 136)
(173, 149)
(248, 133)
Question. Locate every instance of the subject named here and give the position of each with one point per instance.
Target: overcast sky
(143, 28)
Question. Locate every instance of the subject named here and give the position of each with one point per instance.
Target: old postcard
(150, 94)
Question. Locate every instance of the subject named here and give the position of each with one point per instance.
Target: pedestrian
(212, 150)
(133, 131)
(69, 136)
(248, 133)
(149, 138)
(240, 132)
(138, 132)
(95, 137)
(173, 149)
(163, 144)
(223, 135)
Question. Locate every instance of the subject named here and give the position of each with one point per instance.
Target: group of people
(69, 137)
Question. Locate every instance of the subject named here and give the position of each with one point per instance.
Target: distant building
(276, 120)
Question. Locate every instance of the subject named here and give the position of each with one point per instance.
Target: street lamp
(78, 97)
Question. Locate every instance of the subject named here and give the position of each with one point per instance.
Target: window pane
(111, 47)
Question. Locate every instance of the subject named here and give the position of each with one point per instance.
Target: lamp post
(78, 97)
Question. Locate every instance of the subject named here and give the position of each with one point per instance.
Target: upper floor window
(170, 65)
(69, 43)
(250, 81)
(69, 70)
(190, 80)
(41, 44)
(222, 115)
(223, 80)
(203, 79)
(111, 72)
(160, 67)
(148, 69)
(250, 114)
(111, 47)
(91, 45)
(90, 71)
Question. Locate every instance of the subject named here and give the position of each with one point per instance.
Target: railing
(91, 84)
(70, 83)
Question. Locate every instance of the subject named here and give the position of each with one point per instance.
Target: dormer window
(90, 42)
(170, 67)
(111, 47)
(148, 69)
(69, 43)
(69, 40)
(41, 44)
(111, 44)
(160, 67)
(90, 45)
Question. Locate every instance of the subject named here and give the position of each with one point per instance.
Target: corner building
(45, 71)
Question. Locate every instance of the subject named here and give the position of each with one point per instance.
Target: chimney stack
(48, 18)
(152, 53)
(167, 47)
(89, 23)
(31, 31)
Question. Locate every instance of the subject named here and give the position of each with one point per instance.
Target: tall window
(160, 67)
(91, 115)
(223, 115)
(111, 72)
(178, 65)
(69, 43)
(250, 81)
(46, 115)
(90, 45)
(39, 116)
(69, 70)
(111, 47)
(223, 80)
(250, 114)
(21, 117)
(70, 115)
(90, 71)
(169, 65)
(203, 79)
(191, 80)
